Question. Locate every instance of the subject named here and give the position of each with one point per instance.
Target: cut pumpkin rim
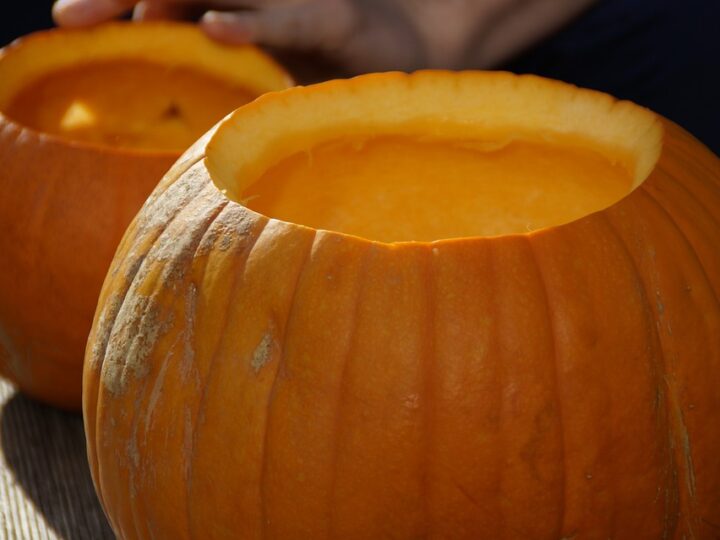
(470, 106)
(176, 44)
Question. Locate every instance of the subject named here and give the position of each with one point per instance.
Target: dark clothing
(663, 54)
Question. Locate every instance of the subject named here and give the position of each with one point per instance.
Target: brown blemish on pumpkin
(467, 494)
(263, 353)
(172, 111)
(412, 401)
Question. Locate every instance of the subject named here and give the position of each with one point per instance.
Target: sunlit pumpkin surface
(127, 103)
(394, 189)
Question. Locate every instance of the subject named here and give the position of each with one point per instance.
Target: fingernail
(139, 12)
(218, 17)
(61, 9)
(227, 26)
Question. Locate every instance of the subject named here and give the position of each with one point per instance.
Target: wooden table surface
(45, 486)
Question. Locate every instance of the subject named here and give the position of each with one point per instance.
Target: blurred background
(24, 17)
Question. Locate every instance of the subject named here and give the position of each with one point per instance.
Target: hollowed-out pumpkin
(440, 305)
(90, 120)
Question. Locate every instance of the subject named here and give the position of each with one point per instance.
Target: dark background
(21, 17)
(663, 54)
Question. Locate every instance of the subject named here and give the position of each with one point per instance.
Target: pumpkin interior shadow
(45, 450)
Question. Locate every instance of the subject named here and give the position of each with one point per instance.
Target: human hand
(360, 35)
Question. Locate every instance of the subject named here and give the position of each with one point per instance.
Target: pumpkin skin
(248, 378)
(65, 203)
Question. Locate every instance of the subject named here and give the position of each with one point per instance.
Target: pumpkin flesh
(398, 189)
(130, 104)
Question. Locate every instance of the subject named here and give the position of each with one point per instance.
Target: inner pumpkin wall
(396, 188)
(127, 103)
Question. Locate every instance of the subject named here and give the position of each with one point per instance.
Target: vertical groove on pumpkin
(342, 401)
(43, 204)
(127, 282)
(678, 142)
(673, 500)
(135, 417)
(678, 210)
(529, 431)
(93, 433)
(242, 256)
(134, 236)
(697, 261)
(175, 172)
(273, 388)
(681, 208)
(691, 248)
(429, 390)
(211, 208)
(212, 205)
(669, 176)
(558, 393)
(675, 164)
(501, 381)
(682, 187)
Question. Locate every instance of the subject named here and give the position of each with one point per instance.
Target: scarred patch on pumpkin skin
(135, 333)
(687, 453)
(139, 323)
(177, 251)
(235, 222)
(161, 208)
(263, 353)
(104, 329)
(188, 331)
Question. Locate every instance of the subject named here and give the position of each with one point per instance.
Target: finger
(228, 27)
(322, 24)
(154, 11)
(88, 12)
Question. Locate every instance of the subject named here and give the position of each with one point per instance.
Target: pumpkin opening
(492, 155)
(394, 189)
(132, 104)
(152, 86)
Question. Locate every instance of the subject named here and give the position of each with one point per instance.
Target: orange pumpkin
(495, 315)
(90, 120)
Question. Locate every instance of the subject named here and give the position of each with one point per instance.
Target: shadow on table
(45, 450)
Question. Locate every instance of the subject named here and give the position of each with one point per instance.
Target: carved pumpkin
(440, 305)
(89, 122)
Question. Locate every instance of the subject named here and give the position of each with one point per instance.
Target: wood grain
(45, 487)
